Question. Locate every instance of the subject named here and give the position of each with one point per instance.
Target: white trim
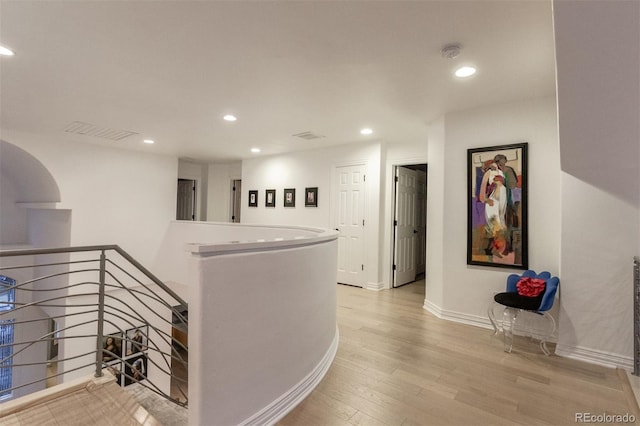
(376, 286)
(595, 356)
(433, 308)
(475, 320)
(634, 382)
(280, 407)
(45, 205)
(592, 356)
(389, 213)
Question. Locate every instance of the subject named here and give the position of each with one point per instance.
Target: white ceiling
(170, 70)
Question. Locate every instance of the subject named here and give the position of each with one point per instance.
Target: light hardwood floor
(397, 364)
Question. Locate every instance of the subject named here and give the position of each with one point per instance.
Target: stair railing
(111, 314)
(636, 316)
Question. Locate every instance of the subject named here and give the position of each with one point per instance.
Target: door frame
(388, 256)
(199, 194)
(232, 183)
(394, 259)
(195, 216)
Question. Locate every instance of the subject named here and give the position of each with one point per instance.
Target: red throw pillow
(530, 287)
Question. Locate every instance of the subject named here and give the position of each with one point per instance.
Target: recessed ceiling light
(465, 71)
(366, 131)
(229, 117)
(149, 141)
(255, 150)
(6, 51)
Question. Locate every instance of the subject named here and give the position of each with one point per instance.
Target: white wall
(599, 239)
(598, 67)
(23, 181)
(434, 273)
(219, 190)
(263, 335)
(13, 218)
(467, 290)
(315, 169)
(115, 196)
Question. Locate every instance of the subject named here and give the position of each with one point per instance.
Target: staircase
(89, 336)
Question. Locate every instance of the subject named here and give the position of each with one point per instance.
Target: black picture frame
(136, 340)
(112, 347)
(289, 197)
(311, 197)
(270, 198)
(497, 206)
(253, 198)
(135, 369)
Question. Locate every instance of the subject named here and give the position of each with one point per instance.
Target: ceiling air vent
(81, 128)
(308, 136)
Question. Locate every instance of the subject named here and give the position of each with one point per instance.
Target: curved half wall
(262, 329)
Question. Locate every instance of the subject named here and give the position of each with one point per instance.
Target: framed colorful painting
(497, 232)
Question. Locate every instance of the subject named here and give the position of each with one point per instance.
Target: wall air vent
(81, 128)
(308, 136)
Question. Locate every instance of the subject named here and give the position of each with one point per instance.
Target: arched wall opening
(29, 219)
(28, 197)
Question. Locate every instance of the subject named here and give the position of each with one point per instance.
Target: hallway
(399, 365)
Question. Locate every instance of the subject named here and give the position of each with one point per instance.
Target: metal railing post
(636, 316)
(103, 263)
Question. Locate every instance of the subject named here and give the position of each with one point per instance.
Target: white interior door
(406, 231)
(350, 196)
(186, 206)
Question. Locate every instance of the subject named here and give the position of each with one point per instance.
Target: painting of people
(497, 206)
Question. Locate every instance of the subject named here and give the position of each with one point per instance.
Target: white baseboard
(459, 317)
(376, 286)
(279, 408)
(634, 382)
(606, 359)
(593, 356)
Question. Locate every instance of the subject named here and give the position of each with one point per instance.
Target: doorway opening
(186, 207)
(236, 195)
(409, 223)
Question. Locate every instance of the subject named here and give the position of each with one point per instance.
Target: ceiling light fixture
(366, 131)
(229, 117)
(255, 150)
(149, 141)
(465, 71)
(5, 51)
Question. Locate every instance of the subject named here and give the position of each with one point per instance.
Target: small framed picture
(112, 347)
(136, 340)
(311, 197)
(253, 198)
(290, 197)
(270, 198)
(135, 369)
